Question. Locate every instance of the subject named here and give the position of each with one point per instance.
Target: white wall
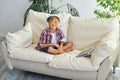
(12, 12)
(11, 15)
(85, 7)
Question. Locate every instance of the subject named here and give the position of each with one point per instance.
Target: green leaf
(112, 8)
(72, 10)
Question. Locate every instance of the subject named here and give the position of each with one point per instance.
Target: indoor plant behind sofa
(84, 33)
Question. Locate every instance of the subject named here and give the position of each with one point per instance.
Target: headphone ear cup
(59, 25)
(47, 25)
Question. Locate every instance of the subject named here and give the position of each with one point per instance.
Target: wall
(11, 15)
(12, 12)
(85, 7)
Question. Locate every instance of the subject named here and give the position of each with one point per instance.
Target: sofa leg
(12, 73)
(114, 69)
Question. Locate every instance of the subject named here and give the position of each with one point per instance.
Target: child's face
(53, 24)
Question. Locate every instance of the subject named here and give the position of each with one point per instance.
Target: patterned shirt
(46, 37)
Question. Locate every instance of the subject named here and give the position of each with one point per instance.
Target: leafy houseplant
(44, 6)
(108, 8)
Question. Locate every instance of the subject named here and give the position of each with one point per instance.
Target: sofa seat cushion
(31, 54)
(69, 61)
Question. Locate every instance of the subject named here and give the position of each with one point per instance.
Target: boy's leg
(53, 51)
(68, 45)
(69, 49)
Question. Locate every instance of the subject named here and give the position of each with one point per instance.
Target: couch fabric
(19, 39)
(31, 54)
(69, 61)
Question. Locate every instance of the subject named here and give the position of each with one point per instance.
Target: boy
(52, 38)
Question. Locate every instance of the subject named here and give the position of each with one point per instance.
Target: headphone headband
(51, 17)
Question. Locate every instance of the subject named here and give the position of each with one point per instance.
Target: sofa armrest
(5, 55)
(117, 55)
(108, 62)
(103, 71)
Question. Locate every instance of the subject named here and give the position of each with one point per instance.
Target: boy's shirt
(46, 37)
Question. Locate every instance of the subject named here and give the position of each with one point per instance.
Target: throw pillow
(19, 39)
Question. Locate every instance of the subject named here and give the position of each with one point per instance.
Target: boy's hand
(56, 45)
(60, 49)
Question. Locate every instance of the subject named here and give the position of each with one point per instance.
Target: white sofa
(19, 47)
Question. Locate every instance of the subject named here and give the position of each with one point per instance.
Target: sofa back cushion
(38, 22)
(87, 32)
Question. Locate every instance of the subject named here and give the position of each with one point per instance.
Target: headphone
(47, 24)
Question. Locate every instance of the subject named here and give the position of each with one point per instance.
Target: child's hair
(52, 17)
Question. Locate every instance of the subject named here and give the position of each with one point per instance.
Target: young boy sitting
(52, 38)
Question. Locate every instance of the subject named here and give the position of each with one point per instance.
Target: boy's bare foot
(69, 49)
(68, 45)
(53, 51)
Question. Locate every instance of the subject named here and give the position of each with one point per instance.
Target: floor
(24, 75)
